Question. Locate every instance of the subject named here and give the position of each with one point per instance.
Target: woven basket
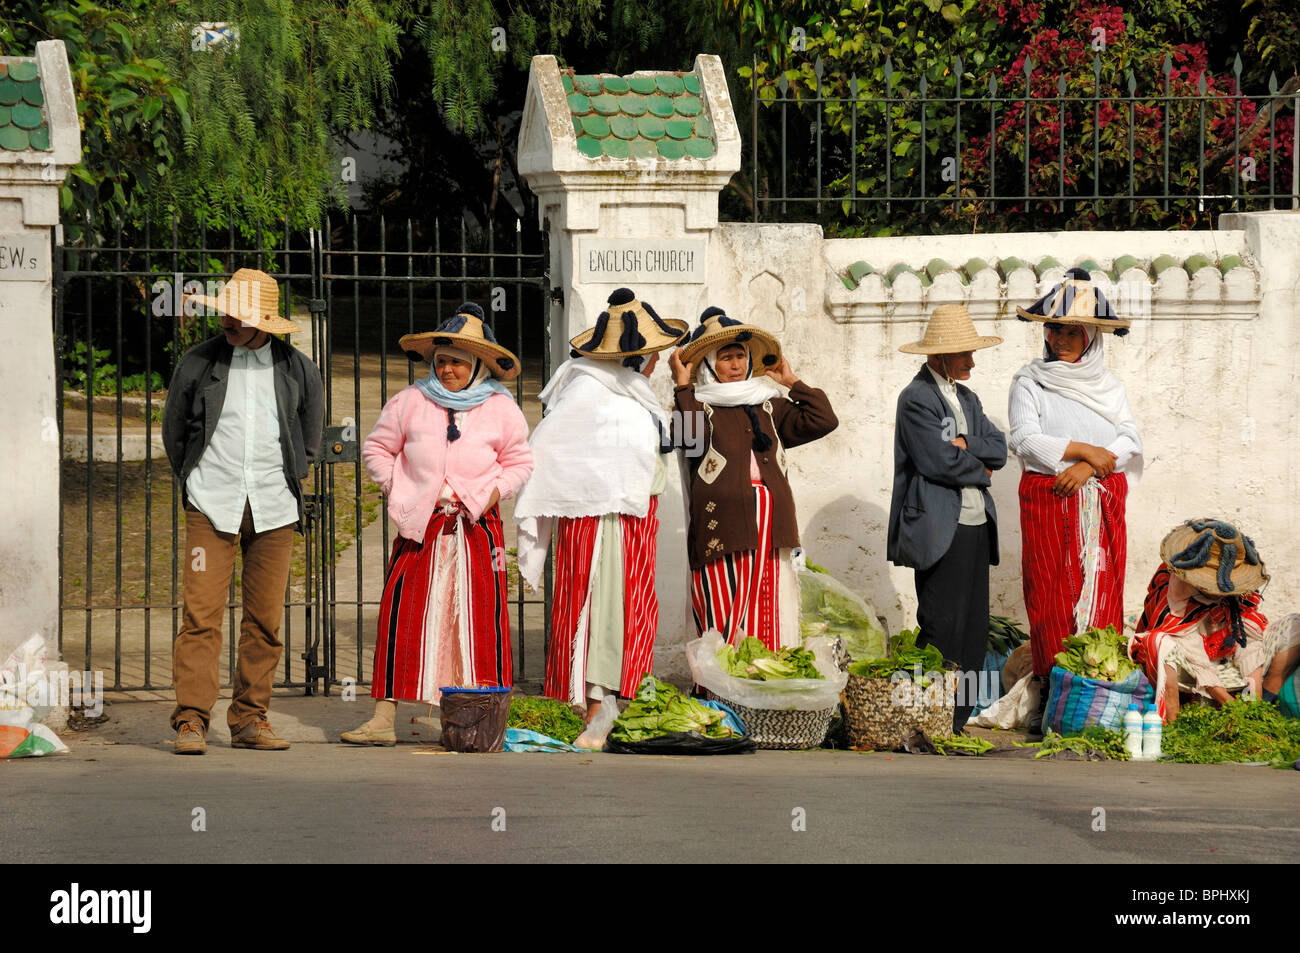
(772, 728)
(873, 721)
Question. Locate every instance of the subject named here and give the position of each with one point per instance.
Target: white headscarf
(478, 370)
(1086, 381)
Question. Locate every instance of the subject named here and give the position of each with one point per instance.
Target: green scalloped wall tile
(597, 126)
(9, 93)
(1044, 264)
(643, 148)
(39, 138)
(614, 84)
(623, 126)
(671, 149)
(660, 106)
(1007, 265)
(1163, 263)
(28, 117)
(859, 270)
(4, 115)
(605, 104)
(13, 138)
(579, 104)
(641, 84)
(590, 147)
(22, 72)
(650, 127)
(587, 84)
(567, 82)
(1195, 263)
(679, 128)
(31, 92)
(1090, 266)
(670, 85)
(1123, 263)
(616, 148)
(974, 266)
(1230, 262)
(577, 126)
(632, 104)
(691, 83)
(703, 127)
(699, 148)
(688, 105)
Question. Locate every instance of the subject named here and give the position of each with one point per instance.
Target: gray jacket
(929, 472)
(198, 391)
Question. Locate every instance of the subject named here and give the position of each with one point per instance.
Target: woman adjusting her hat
(1076, 438)
(942, 521)
(742, 517)
(597, 483)
(445, 451)
(1201, 629)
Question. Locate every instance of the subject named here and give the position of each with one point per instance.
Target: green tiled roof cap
(643, 117)
(22, 116)
(858, 270)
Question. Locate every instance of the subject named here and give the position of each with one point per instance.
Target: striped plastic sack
(1075, 702)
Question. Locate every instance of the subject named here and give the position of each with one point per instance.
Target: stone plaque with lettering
(627, 261)
(25, 257)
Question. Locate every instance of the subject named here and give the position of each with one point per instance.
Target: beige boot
(378, 730)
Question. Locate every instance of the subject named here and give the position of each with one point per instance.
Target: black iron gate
(354, 286)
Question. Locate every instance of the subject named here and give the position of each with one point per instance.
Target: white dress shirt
(244, 462)
(972, 499)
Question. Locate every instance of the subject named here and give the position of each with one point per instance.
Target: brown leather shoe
(190, 739)
(258, 735)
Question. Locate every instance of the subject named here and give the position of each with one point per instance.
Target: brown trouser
(197, 648)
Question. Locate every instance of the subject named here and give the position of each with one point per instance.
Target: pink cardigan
(408, 455)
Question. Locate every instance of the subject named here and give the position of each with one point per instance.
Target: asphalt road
(327, 803)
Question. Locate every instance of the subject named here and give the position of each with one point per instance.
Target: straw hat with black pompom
(717, 330)
(466, 330)
(628, 329)
(1076, 300)
(1215, 557)
(950, 331)
(253, 298)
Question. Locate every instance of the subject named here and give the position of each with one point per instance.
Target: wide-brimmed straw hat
(950, 331)
(1076, 300)
(716, 330)
(466, 330)
(1215, 557)
(630, 327)
(252, 297)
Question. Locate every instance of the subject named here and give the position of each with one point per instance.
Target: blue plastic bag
(521, 739)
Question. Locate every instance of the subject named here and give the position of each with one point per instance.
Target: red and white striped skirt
(738, 594)
(444, 616)
(566, 656)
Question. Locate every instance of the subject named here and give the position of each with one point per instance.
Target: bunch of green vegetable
(1238, 731)
(903, 656)
(754, 660)
(660, 709)
(1005, 636)
(1094, 743)
(1097, 653)
(546, 716)
(827, 607)
(961, 744)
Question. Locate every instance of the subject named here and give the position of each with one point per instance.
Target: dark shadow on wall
(847, 538)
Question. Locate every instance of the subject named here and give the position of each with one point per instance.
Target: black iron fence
(900, 155)
(354, 286)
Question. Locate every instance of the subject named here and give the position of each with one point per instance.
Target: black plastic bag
(475, 720)
(683, 742)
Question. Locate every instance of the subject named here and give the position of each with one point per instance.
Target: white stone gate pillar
(40, 139)
(627, 170)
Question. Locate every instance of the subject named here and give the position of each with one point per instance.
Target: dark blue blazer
(929, 472)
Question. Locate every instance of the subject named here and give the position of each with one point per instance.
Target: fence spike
(922, 86)
(1029, 67)
(956, 67)
(853, 86)
(818, 68)
(783, 84)
(1060, 85)
(1132, 83)
(1200, 84)
(993, 86)
(1169, 65)
(1096, 65)
(1236, 65)
(1272, 83)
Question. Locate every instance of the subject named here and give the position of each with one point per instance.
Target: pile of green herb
(1094, 743)
(1238, 731)
(545, 716)
(1097, 653)
(903, 656)
(660, 709)
(1005, 636)
(754, 660)
(827, 608)
(961, 744)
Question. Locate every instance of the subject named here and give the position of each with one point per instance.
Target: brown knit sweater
(722, 512)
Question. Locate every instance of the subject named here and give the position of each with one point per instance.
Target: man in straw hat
(597, 477)
(742, 517)
(1201, 629)
(241, 426)
(942, 521)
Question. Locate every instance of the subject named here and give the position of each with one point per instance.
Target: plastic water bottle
(1152, 734)
(1133, 732)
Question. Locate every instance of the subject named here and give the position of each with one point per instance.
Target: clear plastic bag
(829, 608)
(787, 694)
(593, 736)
